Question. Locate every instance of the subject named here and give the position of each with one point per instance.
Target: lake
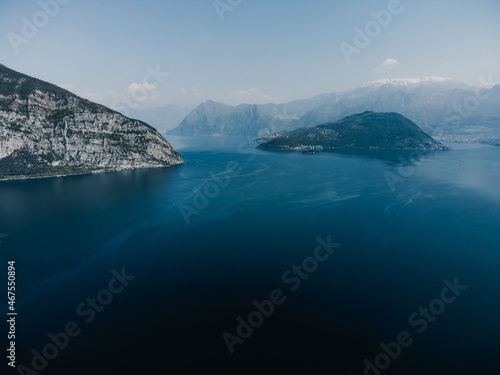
(251, 262)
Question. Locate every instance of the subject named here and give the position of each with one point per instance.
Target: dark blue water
(206, 239)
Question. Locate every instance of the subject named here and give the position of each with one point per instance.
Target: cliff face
(46, 130)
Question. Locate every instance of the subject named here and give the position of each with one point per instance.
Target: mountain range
(162, 118)
(447, 109)
(46, 131)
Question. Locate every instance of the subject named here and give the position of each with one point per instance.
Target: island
(367, 130)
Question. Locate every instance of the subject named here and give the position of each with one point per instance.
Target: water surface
(207, 238)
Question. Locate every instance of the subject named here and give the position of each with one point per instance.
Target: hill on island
(367, 130)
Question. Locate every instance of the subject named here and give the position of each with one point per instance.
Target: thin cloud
(251, 96)
(387, 64)
(140, 86)
(136, 95)
(67, 86)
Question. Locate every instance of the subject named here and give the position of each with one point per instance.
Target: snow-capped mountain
(427, 80)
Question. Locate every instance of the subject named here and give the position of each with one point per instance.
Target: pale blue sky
(262, 50)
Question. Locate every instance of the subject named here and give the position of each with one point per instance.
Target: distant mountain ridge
(367, 130)
(440, 106)
(212, 118)
(46, 130)
(161, 118)
(413, 81)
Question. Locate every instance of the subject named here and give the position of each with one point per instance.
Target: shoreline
(98, 171)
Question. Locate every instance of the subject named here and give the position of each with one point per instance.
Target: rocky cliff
(46, 131)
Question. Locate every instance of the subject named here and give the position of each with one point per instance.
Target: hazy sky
(237, 51)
